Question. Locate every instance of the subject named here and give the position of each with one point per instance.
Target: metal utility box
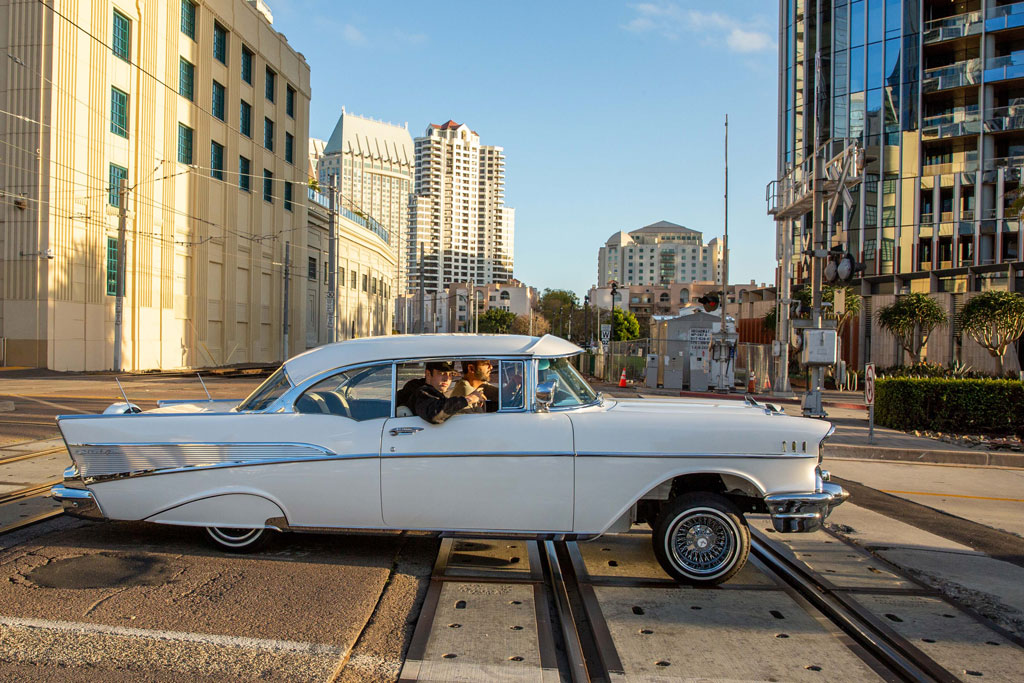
(683, 348)
(819, 348)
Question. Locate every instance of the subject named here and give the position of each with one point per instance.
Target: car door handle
(405, 430)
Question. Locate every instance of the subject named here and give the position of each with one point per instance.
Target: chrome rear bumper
(805, 511)
(76, 502)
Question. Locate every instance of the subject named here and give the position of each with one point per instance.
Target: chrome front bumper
(76, 502)
(805, 511)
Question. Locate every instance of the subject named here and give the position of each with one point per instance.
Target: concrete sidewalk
(850, 417)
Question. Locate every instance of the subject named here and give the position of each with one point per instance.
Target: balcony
(968, 164)
(1005, 16)
(959, 121)
(1005, 118)
(1005, 67)
(967, 72)
(950, 28)
(1004, 162)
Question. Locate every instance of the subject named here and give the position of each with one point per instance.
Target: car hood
(694, 427)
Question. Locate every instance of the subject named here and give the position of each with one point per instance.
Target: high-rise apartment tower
(458, 214)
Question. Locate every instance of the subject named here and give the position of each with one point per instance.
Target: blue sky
(611, 114)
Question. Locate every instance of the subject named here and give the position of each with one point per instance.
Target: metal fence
(630, 356)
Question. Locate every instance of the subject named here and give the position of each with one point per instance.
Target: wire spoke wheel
(237, 540)
(702, 542)
(701, 539)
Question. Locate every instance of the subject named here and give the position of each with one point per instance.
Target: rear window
(268, 392)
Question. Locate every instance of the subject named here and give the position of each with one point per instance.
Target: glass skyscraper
(934, 90)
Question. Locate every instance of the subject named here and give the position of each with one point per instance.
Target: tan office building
(373, 163)
(203, 108)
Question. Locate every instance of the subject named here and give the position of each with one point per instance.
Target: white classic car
(321, 445)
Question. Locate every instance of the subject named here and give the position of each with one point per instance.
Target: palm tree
(911, 319)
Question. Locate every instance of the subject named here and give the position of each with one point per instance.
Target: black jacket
(431, 405)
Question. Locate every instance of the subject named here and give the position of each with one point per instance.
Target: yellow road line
(951, 495)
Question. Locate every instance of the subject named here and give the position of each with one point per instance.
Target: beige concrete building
(512, 296)
(661, 253)
(458, 214)
(374, 165)
(203, 107)
(365, 277)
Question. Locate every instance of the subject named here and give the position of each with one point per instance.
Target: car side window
(359, 394)
(511, 385)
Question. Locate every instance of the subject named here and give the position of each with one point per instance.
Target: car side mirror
(545, 394)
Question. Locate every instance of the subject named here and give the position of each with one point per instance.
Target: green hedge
(963, 406)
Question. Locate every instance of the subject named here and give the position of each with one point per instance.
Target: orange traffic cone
(752, 384)
(622, 378)
(766, 388)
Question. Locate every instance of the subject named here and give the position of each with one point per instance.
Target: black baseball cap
(441, 366)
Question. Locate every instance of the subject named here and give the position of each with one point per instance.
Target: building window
(353, 281)
(247, 56)
(121, 43)
(287, 195)
(871, 214)
(311, 269)
(289, 101)
(245, 119)
(216, 160)
(888, 246)
(119, 112)
(188, 18)
(888, 216)
(289, 148)
(871, 182)
(268, 134)
(220, 43)
(341, 277)
(111, 266)
(268, 186)
(116, 174)
(244, 177)
(217, 106)
(271, 78)
(186, 79)
(184, 144)
(869, 250)
(889, 184)
(366, 282)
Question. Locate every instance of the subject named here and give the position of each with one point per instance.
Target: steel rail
(895, 652)
(28, 491)
(33, 454)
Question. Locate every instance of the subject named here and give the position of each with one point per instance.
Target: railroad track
(21, 495)
(573, 640)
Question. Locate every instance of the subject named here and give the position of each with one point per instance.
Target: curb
(939, 457)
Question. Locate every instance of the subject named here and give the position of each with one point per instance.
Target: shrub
(990, 406)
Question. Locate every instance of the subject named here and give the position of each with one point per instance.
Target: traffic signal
(840, 266)
(709, 302)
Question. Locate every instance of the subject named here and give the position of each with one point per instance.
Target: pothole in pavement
(102, 570)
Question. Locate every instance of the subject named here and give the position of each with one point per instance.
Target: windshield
(572, 389)
(268, 392)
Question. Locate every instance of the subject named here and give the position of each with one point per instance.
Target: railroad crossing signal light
(709, 302)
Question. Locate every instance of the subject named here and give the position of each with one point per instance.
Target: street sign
(606, 333)
(869, 384)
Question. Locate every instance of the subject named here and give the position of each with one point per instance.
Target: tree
(994, 320)
(828, 295)
(314, 184)
(496, 321)
(624, 326)
(521, 325)
(911, 319)
(558, 306)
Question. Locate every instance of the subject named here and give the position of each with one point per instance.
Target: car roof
(399, 346)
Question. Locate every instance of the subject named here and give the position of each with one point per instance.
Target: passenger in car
(429, 400)
(476, 375)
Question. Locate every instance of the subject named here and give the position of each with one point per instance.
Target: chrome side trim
(770, 456)
(225, 465)
(178, 401)
(77, 502)
(506, 454)
(102, 459)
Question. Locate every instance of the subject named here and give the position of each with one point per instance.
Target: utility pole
(812, 406)
(423, 295)
(287, 280)
(332, 288)
(723, 350)
(122, 221)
